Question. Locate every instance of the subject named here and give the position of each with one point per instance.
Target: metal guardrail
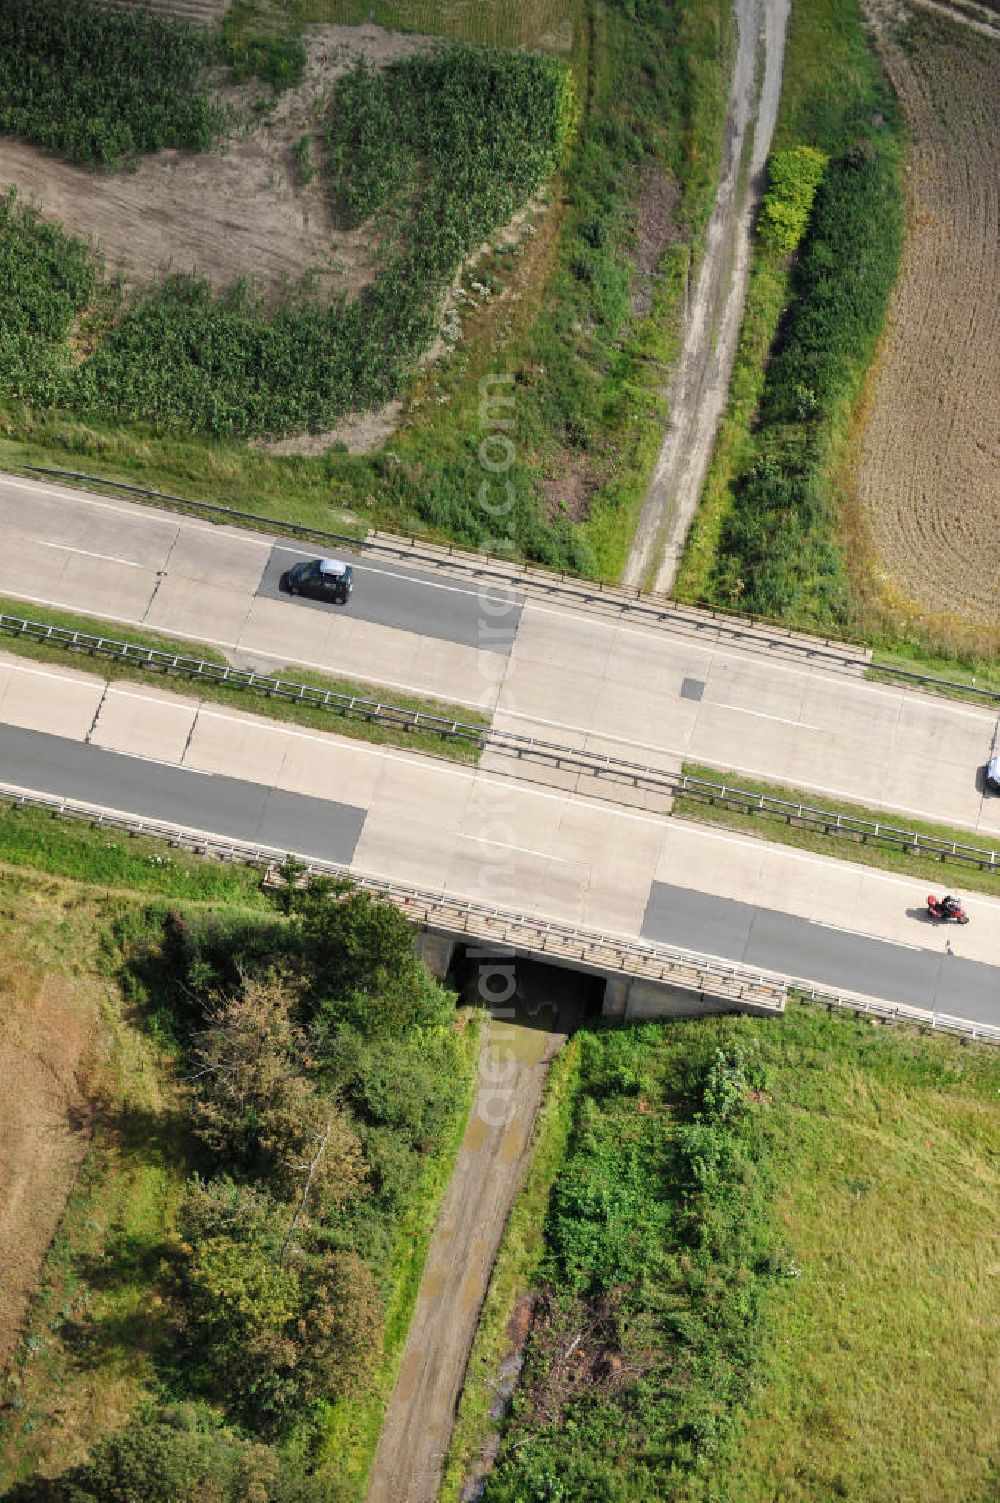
(637, 957)
(834, 648)
(651, 605)
(618, 770)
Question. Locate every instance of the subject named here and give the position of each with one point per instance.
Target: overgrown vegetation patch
(768, 536)
(758, 1226)
(554, 311)
(779, 550)
(317, 1084)
(472, 135)
(659, 1247)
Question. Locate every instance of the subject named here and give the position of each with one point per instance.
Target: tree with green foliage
(272, 1321)
(254, 1106)
(793, 177)
(180, 1453)
(779, 553)
(360, 965)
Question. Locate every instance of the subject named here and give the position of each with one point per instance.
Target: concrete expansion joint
(182, 759)
(158, 580)
(97, 714)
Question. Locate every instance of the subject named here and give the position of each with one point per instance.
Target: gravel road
(489, 1171)
(698, 390)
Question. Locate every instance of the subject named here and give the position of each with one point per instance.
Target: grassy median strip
(255, 701)
(871, 850)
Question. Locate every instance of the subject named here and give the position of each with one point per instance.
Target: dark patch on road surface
(387, 594)
(814, 952)
(693, 688)
(207, 802)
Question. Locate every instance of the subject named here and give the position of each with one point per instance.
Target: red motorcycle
(948, 909)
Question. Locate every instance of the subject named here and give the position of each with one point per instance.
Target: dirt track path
(698, 391)
(491, 1165)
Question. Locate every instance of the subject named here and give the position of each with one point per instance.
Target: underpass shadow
(531, 993)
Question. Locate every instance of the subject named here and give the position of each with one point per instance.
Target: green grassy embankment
(763, 1270)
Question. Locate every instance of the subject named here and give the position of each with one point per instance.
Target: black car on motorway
(320, 579)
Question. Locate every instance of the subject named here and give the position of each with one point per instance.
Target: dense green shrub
(253, 51)
(103, 86)
(323, 1075)
(793, 177)
(658, 1250)
(779, 553)
(271, 1321)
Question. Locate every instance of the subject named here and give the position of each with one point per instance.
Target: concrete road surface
(483, 836)
(565, 674)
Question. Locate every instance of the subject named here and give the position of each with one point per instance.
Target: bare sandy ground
(237, 212)
(46, 1028)
(198, 12)
(700, 385)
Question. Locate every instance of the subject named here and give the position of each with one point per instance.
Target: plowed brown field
(929, 452)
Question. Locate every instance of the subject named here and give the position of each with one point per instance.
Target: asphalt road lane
(158, 791)
(391, 595)
(833, 957)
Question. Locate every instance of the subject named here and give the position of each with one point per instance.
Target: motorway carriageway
(567, 674)
(482, 836)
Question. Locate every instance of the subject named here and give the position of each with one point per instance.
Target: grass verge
(958, 680)
(101, 857)
(252, 701)
(351, 1430)
(847, 847)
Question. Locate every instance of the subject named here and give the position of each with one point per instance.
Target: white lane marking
(749, 657)
(108, 558)
(866, 873)
(761, 715)
(201, 772)
(901, 944)
(276, 657)
(429, 584)
(139, 513)
(594, 734)
(364, 748)
(60, 605)
(505, 845)
(81, 679)
(711, 650)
